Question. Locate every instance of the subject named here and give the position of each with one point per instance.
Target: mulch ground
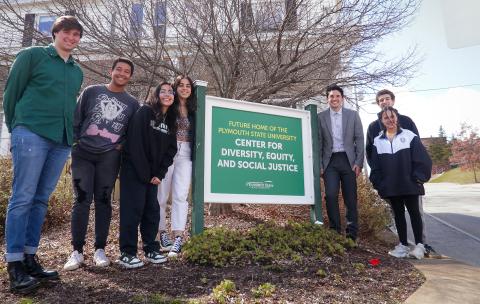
(346, 281)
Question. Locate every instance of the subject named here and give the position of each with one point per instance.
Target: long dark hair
(191, 100)
(171, 114)
(393, 110)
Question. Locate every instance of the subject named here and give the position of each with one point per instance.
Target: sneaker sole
(398, 256)
(173, 254)
(130, 266)
(165, 249)
(157, 261)
(412, 256)
(104, 264)
(71, 268)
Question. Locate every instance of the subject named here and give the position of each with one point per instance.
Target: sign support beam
(316, 209)
(198, 181)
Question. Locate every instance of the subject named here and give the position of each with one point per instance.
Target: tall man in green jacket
(38, 102)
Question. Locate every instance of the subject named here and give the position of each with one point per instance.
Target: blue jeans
(37, 165)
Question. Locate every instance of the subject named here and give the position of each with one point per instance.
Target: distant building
(142, 24)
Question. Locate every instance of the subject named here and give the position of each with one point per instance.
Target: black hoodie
(150, 145)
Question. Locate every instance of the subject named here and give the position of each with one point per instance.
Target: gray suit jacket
(352, 137)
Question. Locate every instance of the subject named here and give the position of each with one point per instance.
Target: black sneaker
(129, 261)
(155, 257)
(431, 253)
(176, 247)
(165, 241)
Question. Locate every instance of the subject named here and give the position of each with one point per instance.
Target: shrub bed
(264, 244)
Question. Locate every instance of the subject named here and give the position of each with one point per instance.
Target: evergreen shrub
(264, 244)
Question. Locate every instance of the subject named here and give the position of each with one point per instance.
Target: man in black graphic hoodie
(100, 125)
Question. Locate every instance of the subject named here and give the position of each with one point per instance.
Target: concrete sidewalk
(448, 281)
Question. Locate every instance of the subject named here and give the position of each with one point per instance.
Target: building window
(136, 20)
(159, 25)
(269, 16)
(291, 14)
(246, 15)
(45, 24)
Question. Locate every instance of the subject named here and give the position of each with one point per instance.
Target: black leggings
(398, 204)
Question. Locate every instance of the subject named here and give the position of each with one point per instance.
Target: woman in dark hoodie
(400, 165)
(149, 151)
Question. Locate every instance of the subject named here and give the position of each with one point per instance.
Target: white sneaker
(400, 251)
(100, 258)
(74, 261)
(418, 252)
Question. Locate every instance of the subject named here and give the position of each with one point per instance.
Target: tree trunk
(219, 209)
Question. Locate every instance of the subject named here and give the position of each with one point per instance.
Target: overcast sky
(443, 67)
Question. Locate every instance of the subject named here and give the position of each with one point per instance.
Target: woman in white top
(179, 175)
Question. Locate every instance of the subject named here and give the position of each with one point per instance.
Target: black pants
(138, 206)
(398, 204)
(93, 177)
(339, 172)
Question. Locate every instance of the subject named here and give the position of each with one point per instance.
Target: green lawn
(456, 176)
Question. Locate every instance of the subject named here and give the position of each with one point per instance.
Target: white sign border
(209, 197)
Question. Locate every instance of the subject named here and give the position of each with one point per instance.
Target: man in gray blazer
(341, 158)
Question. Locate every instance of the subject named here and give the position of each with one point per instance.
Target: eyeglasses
(165, 92)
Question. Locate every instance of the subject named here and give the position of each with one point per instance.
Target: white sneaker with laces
(74, 261)
(400, 251)
(100, 258)
(418, 252)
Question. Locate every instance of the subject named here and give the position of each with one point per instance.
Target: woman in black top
(149, 151)
(400, 165)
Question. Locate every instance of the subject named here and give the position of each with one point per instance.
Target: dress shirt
(337, 131)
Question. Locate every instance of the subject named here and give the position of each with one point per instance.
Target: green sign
(256, 153)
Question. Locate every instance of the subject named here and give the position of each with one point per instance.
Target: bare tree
(275, 51)
(272, 51)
